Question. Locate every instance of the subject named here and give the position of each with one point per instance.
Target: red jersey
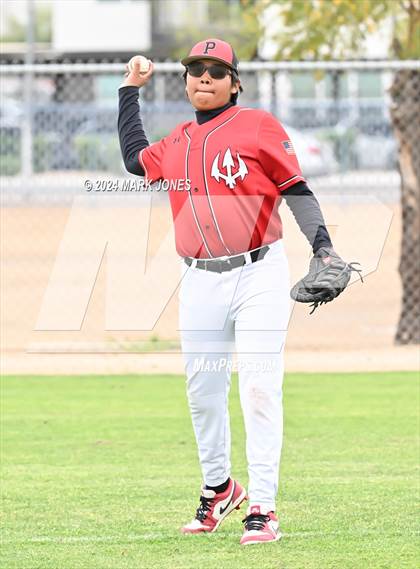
(237, 164)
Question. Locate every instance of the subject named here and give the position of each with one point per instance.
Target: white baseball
(144, 64)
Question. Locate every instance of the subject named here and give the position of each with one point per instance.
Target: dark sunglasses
(216, 71)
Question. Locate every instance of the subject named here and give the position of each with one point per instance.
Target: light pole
(26, 149)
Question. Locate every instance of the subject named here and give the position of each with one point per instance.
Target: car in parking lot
(364, 140)
(316, 157)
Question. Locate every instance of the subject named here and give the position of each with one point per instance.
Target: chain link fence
(58, 126)
(63, 116)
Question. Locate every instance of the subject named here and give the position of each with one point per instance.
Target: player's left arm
(276, 154)
(328, 273)
(308, 215)
(280, 163)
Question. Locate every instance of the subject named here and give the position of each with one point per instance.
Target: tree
(15, 30)
(238, 21)
(335, 29)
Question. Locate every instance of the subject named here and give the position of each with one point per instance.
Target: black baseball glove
(328, 276)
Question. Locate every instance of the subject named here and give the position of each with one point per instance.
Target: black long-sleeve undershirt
(307, 212)
(130, 129)
(299, 198)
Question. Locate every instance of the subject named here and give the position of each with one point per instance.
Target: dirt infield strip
(352, 334)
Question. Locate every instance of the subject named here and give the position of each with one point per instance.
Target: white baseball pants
(246, 309)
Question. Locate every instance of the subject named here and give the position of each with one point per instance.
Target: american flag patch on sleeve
(288, 146)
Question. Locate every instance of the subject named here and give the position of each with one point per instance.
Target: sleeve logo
(288, 146)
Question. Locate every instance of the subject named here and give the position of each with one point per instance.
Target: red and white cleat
(214, 508)
(261, 526)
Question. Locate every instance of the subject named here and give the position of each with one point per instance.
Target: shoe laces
(203, 508)
(255, 521)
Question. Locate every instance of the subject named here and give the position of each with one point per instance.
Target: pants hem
(216, 481)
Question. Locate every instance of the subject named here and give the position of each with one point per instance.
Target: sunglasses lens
(216, 71)
(196, 69)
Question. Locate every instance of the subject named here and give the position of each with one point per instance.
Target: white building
(101, 26)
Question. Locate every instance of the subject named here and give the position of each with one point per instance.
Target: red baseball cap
(213, 49)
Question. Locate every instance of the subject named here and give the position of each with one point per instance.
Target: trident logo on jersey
(228, 164)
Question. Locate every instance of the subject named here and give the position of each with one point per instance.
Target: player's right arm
(130, 127)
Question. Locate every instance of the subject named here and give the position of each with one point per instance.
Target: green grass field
(101, 472)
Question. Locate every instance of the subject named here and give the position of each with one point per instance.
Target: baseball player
(235, 290)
